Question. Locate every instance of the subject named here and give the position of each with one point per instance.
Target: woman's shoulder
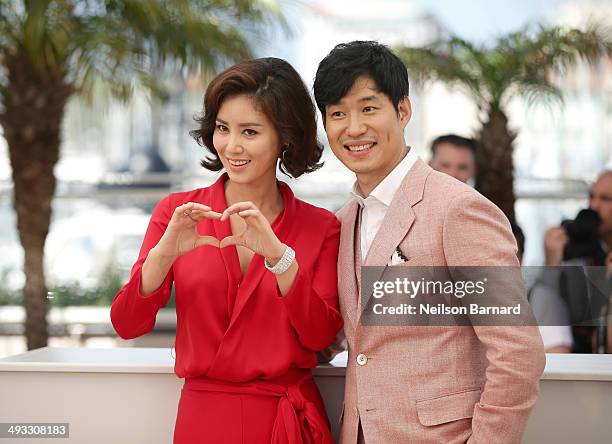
(167, 204)
(200, 195)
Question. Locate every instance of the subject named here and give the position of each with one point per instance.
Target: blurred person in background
(254, 268)
(609, 321)
(548, 308)
(600, 201)
(585, 241)
(456, 156)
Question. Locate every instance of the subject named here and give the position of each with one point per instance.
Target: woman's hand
(181, 235)
(258, 235)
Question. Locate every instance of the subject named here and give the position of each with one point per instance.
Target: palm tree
(51, 50)
(520, 64)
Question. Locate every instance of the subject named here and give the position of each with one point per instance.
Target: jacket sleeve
(133, 314)
(476, 233)
(312, 300)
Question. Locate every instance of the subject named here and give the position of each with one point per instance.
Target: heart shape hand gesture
(181, 235)
(258, 235)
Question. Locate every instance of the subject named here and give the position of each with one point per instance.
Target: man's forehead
(448, 149)
(604, 183)
(364, 83)
(452, 147)
(364, 88)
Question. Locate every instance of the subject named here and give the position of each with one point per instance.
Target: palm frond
(155, 36)
(560, 48)
(453, 62)
(519, 64)
(125, 42)
(11, 17)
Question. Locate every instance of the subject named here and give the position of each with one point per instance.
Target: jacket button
(356, 411)
(362, 359)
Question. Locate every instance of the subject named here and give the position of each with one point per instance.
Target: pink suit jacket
(435, 384)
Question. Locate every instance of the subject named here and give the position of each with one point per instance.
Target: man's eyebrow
(369, 98)
(240, 124)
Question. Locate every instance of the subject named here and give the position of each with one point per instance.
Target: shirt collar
(387, 188)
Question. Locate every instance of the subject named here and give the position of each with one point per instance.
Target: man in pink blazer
(416, 384)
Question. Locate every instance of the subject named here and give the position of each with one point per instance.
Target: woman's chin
(242, 177)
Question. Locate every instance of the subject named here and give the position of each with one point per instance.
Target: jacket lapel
(399, 219)
(347, 278)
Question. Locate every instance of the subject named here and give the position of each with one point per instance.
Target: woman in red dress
(254, 269)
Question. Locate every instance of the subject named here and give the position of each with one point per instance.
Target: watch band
(284, 263)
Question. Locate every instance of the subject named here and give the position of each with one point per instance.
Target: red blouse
(232, 328)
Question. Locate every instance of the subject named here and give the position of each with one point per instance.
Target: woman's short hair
(278, 91)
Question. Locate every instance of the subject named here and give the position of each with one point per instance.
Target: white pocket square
(397, 257)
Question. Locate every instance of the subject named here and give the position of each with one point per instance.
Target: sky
(480, 20)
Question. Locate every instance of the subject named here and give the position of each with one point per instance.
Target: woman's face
(246, 140)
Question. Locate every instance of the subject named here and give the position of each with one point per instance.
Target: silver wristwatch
(284, 263)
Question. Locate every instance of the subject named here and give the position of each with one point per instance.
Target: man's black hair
(453, 139)
(338, 71)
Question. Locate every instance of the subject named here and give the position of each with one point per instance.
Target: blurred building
(572, 140)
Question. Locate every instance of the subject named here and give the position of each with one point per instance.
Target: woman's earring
(284, 150)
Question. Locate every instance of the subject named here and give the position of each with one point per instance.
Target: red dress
(245, 352)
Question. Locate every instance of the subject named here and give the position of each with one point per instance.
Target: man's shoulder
(341, 213)
(444, 190)
(441, 186)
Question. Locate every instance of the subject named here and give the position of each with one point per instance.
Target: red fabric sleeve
(133, 314)
(312, 300)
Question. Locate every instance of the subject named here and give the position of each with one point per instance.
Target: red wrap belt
(298, 420)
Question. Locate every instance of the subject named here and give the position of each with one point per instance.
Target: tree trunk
(495, 167)
(31, 119)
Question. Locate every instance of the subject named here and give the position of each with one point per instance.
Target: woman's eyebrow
(240, 124)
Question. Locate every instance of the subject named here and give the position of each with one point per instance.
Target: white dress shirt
(375, 206)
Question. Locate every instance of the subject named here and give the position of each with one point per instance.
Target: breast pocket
(419, 260)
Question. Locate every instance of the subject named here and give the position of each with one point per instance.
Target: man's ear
(404, 111)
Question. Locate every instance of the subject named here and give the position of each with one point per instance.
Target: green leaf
(519, 64)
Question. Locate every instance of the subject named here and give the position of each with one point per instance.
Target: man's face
(366, 130)
(454, 160)
(600, 200)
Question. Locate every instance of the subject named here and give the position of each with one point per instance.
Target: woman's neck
(265, 195)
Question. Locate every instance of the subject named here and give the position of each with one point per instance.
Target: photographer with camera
(584, 242)
(600, 201)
